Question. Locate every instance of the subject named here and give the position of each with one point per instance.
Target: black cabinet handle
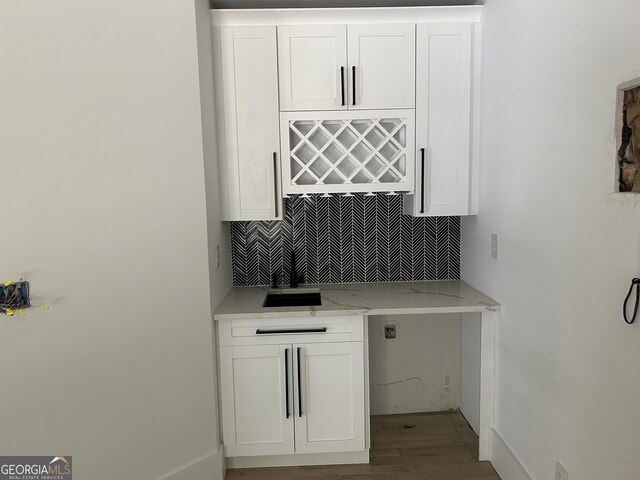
(275, 180)
(342, 84)
(353, 81)
(299, 384)
(292, 330)
(286, 380)
(422, 182)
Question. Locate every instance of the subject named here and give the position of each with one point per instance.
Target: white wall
(470, 331)
(219, 237)
(102, 164)
(405, 373)
(567, 364)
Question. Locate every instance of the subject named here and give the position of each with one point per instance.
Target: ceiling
(335, 3)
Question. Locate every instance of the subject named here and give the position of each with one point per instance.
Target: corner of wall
(217, 231)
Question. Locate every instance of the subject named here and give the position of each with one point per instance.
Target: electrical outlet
(217, 256)
(389, 331)
(561, 472)
(494, 245)
(446, 380)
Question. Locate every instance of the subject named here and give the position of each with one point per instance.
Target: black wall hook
(634, 283)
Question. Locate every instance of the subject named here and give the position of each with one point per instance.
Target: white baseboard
(209, 467)
(299, 459)
(505, 461)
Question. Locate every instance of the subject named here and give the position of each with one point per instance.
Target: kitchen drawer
(270, 331)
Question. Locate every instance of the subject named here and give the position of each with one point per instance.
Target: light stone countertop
(450, 296)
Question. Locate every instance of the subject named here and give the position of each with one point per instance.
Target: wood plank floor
(423, 446)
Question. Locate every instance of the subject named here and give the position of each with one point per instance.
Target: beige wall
(567, 364)
(103, 189)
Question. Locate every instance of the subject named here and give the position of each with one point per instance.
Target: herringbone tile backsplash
(346, 240)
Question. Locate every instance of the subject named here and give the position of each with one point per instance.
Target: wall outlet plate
(389, 331)
(446, 380)
(494, 245)
(561, 472)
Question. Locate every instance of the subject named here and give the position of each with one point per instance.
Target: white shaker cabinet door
(247, 107)
(329, 397)
(443, 120)
(312, 67)
(257, 400)
(382, 61)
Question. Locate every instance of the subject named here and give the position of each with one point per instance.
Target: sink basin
(290, 297)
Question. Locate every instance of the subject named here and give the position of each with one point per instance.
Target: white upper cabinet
(443, 120)
(382, 62)
(338, 67)
(246, 82)
(333, 101)
(313, 62)
(347, 151)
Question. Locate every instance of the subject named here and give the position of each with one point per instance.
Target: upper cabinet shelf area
(346, 67)
(339, 101)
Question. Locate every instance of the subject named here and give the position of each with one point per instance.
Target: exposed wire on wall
(635, 283)
(15, 297)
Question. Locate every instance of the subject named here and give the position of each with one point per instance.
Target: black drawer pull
(342, 85)
(353, 80)
(422, 181)
(286, 380)
(293, 330)
(299, 384)
(275, 180)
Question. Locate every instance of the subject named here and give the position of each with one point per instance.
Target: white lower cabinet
(329, 397)
(292, 398)
(256, 387)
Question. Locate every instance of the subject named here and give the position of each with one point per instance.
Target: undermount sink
(293, 297)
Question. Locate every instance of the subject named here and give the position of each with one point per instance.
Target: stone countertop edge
(381, 298)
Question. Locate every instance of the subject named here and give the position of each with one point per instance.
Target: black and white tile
(351, 239)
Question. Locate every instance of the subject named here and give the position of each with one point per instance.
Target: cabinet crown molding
(320, 16)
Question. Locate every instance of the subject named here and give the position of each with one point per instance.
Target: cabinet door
(443, 119)
(382, 62)
(312, 67)
(329, 397)
(257, 399)
(249, 166)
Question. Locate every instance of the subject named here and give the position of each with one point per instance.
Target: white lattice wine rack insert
(343, 154)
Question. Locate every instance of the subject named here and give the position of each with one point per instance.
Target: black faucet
(293, 276)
